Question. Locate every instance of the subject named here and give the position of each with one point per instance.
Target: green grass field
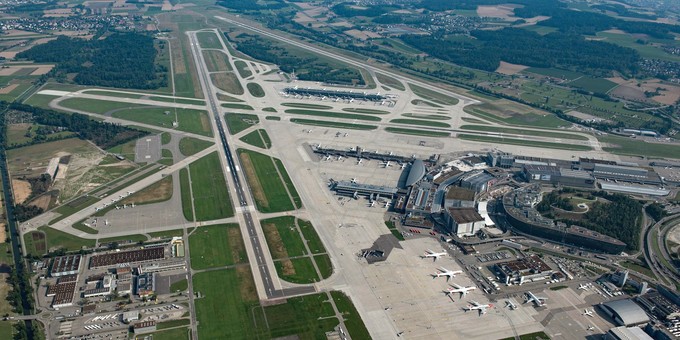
(555, 73)
(636, 147)
(323, 262)
(237, 122)
(313, 241)
(339, 125)
(473, 120)
(297, 201)
(258, 138)
(427, 123)
(299, 270)
(512, 141)
(178, 100)
(134, 238)
(353, 321)
(548, 120)
(282, 237)
(426, 116)
(216, 61)
(237, 106)
(269, 109)
(179, 286)
(307, 106)
(208, 40)
(389, 81)
(523, 132)
(185, 189)
(434, 96)
(167, 233)
(45, 239)
(269, 190)
(595, 85)
(329, 114)
(211, 195)
(192, 121)
(255, 89)
(98, 106)
(367, 111)
(243, 69)
(217, 246)
(417, 132)
(645, 50)
(228, 82)
(166, 138)
(190, 146)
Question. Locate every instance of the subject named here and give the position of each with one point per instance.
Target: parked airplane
(360, 161)
(387, 164)
(353, 180)
(388, 204)
(403, 165)
(132, 205)
(433, 255)
(591, 328)
(459, 289)
(474, 305)
(538, 300)
(327, 158)
(106, 222)
(583, 287)
(339, 158)
(511, 305)
(372, 204)
(441, 271)
(587, 312)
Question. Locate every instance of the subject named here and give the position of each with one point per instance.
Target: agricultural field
(228, 82)
(595, 85)
(192, 121)
(217, 246)
(268, 181)
(190, 146)
(211, 198)
(237, 122)
(216, 61)
(258, 138)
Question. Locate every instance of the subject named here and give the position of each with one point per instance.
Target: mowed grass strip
(523, 132)
(267, 187)
(431, 95)
(217, 246)
(355, 326)
(237, 106)
(243, 69)
(323, 262)
(211, 195)
(47, 239)
(339, 125)
(298, 270)
(512, 141)
(237, 122)
(258, 138)
(420, 122)
(192, 121)
(426, 116)
(389, 81)
(313, 241)
(228, 82)
(330, 114)
(367, 111)
(255, 89)
(415, 132)
(225, 309)
(636, 147)
(306, 317)
(282, 237)
(216, 61)
(208, 40)
(185, 189)
(297, 201)
(97, 106)
(189, 146)
(308, 106)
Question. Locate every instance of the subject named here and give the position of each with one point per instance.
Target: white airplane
(538, 300)
(511, 305)
(474, 305)
(351, 100)
(403, 165)
(459, 289)
(106, 222)
(388, 204)
(433, 255)
(387, 164)
(441, 271)
(587, 312)
(327, 158)
(132, 205)
(353, 180)
(590, 328)
(339, 157)
(130, 192)
(583, 287)
(97, 208)
(117, 208)
(360, 161)
(372, 204)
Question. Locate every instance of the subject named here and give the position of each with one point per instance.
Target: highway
(241, 201)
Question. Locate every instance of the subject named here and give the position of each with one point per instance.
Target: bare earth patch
(287, 268)
(159, 191)
(668, 95)
(254, 182)
(505, 12)
(42, 202)
(510, 69)
(22, 189)
(236, 245)
(3, 234)
(9, 88)
(274, 240)
(248, 290)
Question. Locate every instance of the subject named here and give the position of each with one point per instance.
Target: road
(241, 200)
(664, 274)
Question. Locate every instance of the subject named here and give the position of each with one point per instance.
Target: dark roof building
(65, 265)
(625, 312)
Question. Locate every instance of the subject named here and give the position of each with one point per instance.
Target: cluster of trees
(310, 68)
(251, 5)
(622, 11)
(348, 11)
(123, 60)
(446, 5)
(519, 46)
(105, 135)
(554, 199)
(619, 218)
(656, 211)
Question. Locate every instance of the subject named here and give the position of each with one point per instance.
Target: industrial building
(145, 284)
(625, 312)
(626, 333)
(334, 94)
(144, 327)
(478, 181)
(463, 221)
(65, 265)
(130, 256)
(558, 176)
(530, 268)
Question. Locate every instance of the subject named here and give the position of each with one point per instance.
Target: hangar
(625, 312)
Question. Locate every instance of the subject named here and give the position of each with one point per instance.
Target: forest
(519, 46)
(122, 60)
(346, 10)
(250, 5)
(305, 68)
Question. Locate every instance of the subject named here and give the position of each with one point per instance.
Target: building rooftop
(465, 215)
(416, 173)
(627, 311)
(458, 193)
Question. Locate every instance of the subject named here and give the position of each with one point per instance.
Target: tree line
(122, 60)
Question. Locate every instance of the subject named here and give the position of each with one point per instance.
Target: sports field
(210, 192)
(217, 246)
